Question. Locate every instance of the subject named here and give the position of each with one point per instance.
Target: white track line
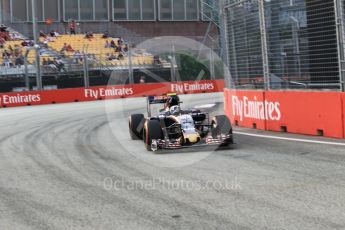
(207, 106)
(290, 139)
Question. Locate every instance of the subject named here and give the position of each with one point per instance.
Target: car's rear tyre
(152, 131)
(136, 125)
(222, 125)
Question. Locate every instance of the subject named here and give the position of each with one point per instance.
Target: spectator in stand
(142, 80)
(120, 57)
(126, 48)
(60, 65)
(10, 49)
(120, 41)
(156, 60)
(2, 43)
(78, 57)
(52, 33)
(19, 60)
(31, 43)
(119, 49)
(111, 57)
(107, 44)
(17, 50)
(7, 61)
(3, 28)
(44, 61)
(112, 44)
(4, 33)
(69, 48)
(42, 34)
(72, 27)
(6, 53)
(51, 64)
(89, 35)
(66, 48)
(106, 35)
(25, 43)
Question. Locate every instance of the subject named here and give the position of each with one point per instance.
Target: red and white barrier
(241, 107)
(311, 113)
(107, 92)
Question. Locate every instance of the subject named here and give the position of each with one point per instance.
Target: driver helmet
(175, 109)
(172, 101)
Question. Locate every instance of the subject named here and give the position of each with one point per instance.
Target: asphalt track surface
(72, 166)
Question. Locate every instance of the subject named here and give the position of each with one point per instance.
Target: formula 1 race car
(174, 128)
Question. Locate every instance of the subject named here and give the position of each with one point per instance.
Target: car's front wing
(223, 139)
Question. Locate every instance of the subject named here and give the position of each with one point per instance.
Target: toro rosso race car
(174, 128)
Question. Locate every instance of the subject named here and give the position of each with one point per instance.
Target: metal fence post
(1, 13)
(39, 84)
(37, 48)
(130, 66)
(265, 62)
(26, 76)
(212, 69)
(223, 13)
(233, 52)
(86, 71)
(223, 32)
(339, 16)
(173, 63)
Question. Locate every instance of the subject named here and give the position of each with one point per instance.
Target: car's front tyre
(221, 125)
(152, 131)
(136, 125)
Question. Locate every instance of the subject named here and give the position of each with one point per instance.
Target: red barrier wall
(107, 92)
(241, 108)
(311, 113)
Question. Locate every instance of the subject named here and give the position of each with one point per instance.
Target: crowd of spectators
(52, 34)
(57, 64)
(120, 49)
(13, 56)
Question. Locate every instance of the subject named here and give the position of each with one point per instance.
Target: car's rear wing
(157, 99)
(160, 99)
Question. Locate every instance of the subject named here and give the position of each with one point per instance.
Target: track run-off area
(73, 166)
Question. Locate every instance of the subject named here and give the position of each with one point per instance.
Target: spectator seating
(96, 47)
(31, 54)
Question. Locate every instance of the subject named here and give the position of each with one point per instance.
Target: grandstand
(100, 48)
(61, 68)
(67, 58)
